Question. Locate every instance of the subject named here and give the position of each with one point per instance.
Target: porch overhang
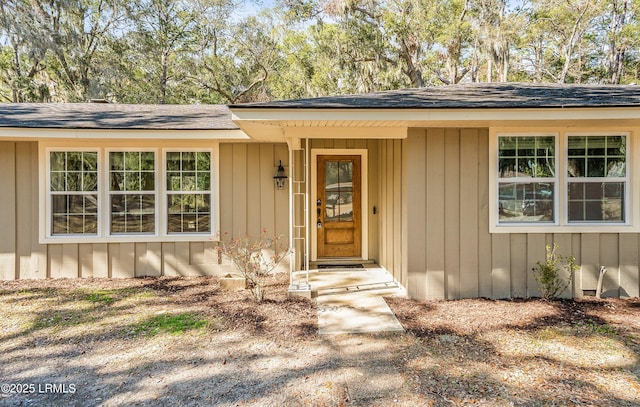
(278, 124)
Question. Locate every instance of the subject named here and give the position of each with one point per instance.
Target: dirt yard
(165, 341)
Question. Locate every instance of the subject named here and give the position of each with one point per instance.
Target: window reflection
(339, 191)
(526, 202)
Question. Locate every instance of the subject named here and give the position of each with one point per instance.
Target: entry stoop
(328, 265)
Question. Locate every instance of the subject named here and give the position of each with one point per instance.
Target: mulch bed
(475, 352)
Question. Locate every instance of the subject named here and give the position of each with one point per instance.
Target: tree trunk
(413, 72)
(163, 78)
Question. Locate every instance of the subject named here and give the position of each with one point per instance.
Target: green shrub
(547, 274)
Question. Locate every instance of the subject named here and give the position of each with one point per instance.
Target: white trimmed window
(562, 181)
(188, 191)
(120, 194)
(132, 192)
(73, 192)
(527, 179)
(597, 178)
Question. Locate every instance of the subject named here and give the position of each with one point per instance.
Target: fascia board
(417, 115)
(89, 134)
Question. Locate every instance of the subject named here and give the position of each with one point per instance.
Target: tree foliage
(231, 51)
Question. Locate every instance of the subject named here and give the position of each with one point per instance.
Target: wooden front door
(339, 217)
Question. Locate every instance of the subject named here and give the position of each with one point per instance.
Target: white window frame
(166, 192)
(562, 225)
(523, 180)
(103, 147)
(48, 195)
(108, 192)
(626, 180)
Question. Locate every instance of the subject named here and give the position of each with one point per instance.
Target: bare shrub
(255, 259)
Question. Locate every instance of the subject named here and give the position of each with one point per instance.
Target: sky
(252, 7)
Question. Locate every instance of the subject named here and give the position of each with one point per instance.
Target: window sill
(129, 239)
(582, 228)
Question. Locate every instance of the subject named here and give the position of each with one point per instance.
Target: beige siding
(8, 210)
(248, 198)
(431, 229)
(416, 208)
(469, 212)
(452, 213)
(374, 195)
(450, 251)
(629, 282)
(280, 198)
(590, 260)
(563, 240)
(609, 250)
(501, 266)
(484, 238)
(535, 252)
(25, 152)
(518, 254)
(248, 202)
(391, 209)
(435, 220)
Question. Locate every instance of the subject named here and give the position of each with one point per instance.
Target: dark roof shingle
(470, 96)
(116, 116)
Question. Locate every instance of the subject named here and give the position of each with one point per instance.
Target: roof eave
(36, 133)
(288, 115)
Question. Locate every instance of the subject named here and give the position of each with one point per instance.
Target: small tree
(255, 258)
(547, 274)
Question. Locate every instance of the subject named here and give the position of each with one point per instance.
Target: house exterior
(454, 190)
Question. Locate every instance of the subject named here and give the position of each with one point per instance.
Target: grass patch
(100, 297)
(549, 333)
(596, 328)
(175, 324)
(62, 318)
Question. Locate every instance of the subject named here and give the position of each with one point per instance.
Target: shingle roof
(116, 116)
(470, 96)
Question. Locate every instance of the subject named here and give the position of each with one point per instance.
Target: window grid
(188, 186)
(84, 193)
(73, 188)
(592, 183)
(596, 178)
(132, 192)
(526, 179)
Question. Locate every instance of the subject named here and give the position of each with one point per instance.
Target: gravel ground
(100, 342)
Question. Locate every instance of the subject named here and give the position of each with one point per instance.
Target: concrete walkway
(350, 300)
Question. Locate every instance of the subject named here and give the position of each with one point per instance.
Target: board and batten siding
(450, 252)
(391, 209)
(248, 203)
(21, 256)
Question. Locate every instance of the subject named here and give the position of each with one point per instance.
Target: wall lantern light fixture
(280, 177)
